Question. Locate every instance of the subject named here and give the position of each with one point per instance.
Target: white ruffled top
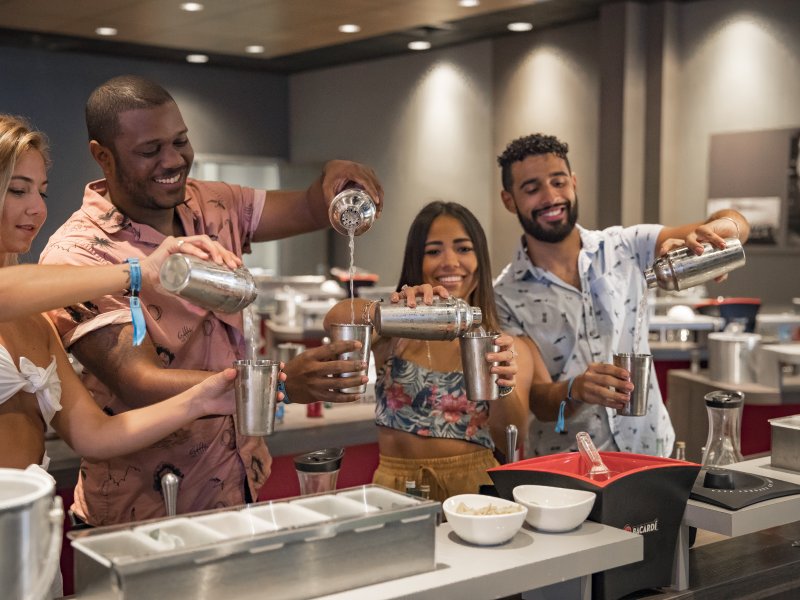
(42, 382)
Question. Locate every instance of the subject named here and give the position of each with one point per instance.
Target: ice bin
(333, 554)
(645, 495)
(785, 433)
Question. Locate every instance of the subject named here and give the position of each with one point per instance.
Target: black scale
(734, 490)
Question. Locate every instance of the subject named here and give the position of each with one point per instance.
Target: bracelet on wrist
(137, 315)
(282, 388)
(735, 224)
(560, 422)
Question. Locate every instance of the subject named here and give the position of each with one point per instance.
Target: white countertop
(529, 561)
(750, 519)
(756, 517)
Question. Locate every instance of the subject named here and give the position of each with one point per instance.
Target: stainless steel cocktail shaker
(352, 210)
(445, 319)
(207, 284)
(681, 268)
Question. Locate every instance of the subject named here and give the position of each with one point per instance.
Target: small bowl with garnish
(554, 509)
(484, 520)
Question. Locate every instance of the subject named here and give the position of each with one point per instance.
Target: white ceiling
(295, 34)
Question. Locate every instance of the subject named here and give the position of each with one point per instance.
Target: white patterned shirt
(574, 327)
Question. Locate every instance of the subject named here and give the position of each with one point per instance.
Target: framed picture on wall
(763, 214)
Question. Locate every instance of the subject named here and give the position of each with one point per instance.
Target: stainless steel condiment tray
(292, 549)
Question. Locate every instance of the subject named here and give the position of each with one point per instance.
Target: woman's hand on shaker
(200, 246)
(312, 375)
(506, 357)
(603, 384)
(426, 290)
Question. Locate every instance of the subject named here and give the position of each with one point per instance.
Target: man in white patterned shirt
(574, 294)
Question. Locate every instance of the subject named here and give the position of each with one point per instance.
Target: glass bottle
(680, 450)
(660, 447)
(724, 428)
(425, 491)
(411, 487)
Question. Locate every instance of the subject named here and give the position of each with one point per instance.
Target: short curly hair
(118, 95)
(529, 145)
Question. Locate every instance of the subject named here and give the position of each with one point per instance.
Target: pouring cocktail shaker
(352, 210)
(681, 268)
(207, 284)
(445, 319)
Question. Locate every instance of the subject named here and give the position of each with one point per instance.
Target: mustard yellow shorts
(462, 474)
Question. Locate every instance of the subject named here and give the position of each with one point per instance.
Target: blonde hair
(17, 137)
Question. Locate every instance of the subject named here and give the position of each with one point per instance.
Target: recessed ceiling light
(468, 3)
(254, 49)
(349, 28)
(520, 26)
(197, 58)
(106, 31)
(419, 45)
(191, 6)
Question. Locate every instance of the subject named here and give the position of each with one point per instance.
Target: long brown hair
(411, 272)
(16, 137)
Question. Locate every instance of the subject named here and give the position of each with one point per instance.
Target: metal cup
(639, 366)
(359, 333)
(256, 387)
(480, 382)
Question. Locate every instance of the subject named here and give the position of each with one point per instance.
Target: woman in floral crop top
(429, 432)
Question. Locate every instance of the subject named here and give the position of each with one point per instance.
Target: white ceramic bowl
(554, 509)
(483, 530)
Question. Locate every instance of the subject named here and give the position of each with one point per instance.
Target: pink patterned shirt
(210, 459)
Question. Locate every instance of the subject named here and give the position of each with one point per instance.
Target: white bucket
(31, 520)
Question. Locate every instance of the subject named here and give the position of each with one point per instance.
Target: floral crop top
(429, 403)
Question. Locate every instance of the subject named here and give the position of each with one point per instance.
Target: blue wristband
(137, 316)
(560, 425)
(282, 388)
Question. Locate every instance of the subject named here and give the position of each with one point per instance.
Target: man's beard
(553, 233)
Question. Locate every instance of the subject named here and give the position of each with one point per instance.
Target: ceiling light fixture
(469, 3)
(349, 28)
(419, 45)
(520, 26)
(106, 31)
(192, 6)
(254, 49)
(197, 58)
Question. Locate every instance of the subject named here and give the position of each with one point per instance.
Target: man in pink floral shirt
(138, 137)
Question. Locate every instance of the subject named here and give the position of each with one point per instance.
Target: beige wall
(423, 122)
(546, 82)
